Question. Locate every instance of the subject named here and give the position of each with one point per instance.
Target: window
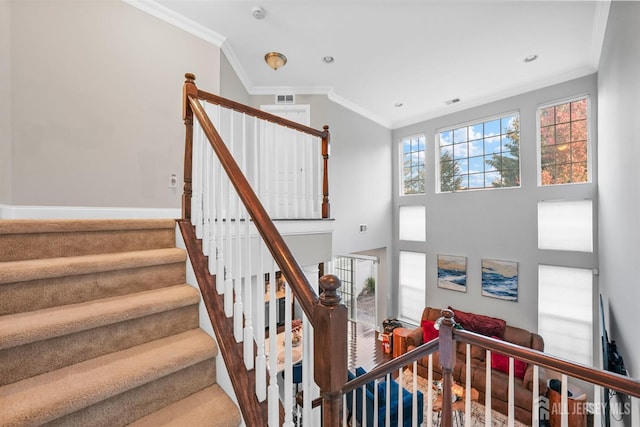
(563, 140)
(344, 268)
(565, 312)
(480, 155)
(412, 165)
(565, 225)
(413, 267)
(412, 223)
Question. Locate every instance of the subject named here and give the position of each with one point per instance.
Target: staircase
(99, 328)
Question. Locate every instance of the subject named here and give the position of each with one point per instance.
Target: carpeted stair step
(35, 342)
(93, 389)
(31, 239)
(209, 407)
(40, 283)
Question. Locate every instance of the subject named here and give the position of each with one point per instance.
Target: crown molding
(359, 110)
(167, 15)
(600, 20)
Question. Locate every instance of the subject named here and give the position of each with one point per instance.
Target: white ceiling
(421, 53)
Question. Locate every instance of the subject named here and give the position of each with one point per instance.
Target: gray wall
(230, 85)
(497, 224)
(619, 182)
(5, 102)
(96, 103)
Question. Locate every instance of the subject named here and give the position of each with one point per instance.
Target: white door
(289, 161)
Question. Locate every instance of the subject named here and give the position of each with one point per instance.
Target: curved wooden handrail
(292, 271)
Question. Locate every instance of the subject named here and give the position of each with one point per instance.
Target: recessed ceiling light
(531, 58)
(399, 104)
(327, 59)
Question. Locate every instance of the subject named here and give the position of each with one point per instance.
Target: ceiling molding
(237, 68)
(600, 20)
(358, 109)
(167, 15)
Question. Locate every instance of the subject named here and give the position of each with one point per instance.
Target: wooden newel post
(326, 207)
(330, 343)
(189, 89)
(447, 360)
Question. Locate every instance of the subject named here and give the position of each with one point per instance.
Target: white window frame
(401, 162)
(590, 127)
(417, 223)
(417, 286)
(467, 124)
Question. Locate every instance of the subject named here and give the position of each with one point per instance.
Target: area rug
(477, 409)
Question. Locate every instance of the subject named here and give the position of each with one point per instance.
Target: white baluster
(400, 413)
(564, 402)
(196, 178)
(288, 359)
(248, 328)
(206, 205)
(414, 413)
(510, 396)
(487, 397)
(467, 391)
(220, 231)
(274, 395)
(311, 389)
(535, 410)
(429, 396)
(261, 365)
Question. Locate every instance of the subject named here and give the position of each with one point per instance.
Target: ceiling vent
(286, 99)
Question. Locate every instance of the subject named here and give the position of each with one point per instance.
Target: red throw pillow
(485, 325)
(500, 362)
(428, 330)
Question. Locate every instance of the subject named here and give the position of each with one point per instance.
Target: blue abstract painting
(500, 279)
(452, 272)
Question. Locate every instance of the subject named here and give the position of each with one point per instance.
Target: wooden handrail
(446, 343)
(190, 90)
(228, 103)
(391, 365)
(626, 385)
(290, 268)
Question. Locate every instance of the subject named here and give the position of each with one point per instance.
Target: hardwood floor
(364, 348)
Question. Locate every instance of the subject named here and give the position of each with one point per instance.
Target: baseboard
(85, 212)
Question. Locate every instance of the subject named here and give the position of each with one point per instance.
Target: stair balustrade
(244, 167)
(542, 410)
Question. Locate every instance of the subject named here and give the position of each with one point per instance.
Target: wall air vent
(286, 99)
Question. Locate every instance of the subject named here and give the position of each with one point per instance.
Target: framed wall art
(452, 272)
(500, 279)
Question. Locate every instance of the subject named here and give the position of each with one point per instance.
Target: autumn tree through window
(563, 138)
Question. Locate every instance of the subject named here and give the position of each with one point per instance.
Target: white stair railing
(238, 257)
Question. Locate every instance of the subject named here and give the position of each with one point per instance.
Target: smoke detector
(258, 12)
